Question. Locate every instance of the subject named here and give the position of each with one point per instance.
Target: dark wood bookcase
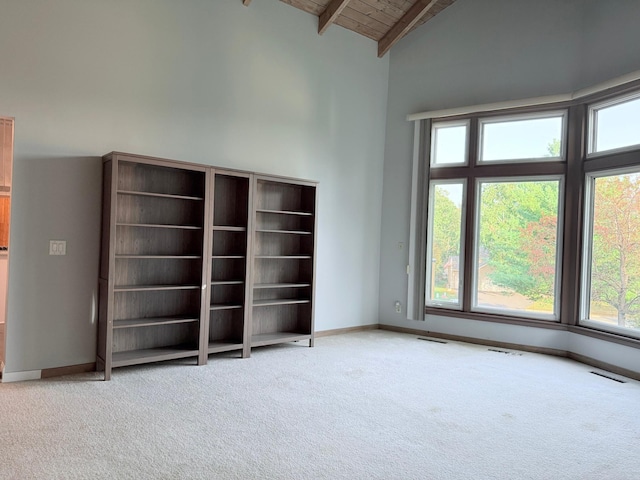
(228, 255)
(283, 261)
(198, 260)
(151, 271)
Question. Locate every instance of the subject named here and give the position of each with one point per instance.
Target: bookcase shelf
(284, 212)
(280, 301)
(158, 195)
(290, 232)
(284, 257)
(263, 339)
(149, 225)
(280, 285)
(150, 322)
(144, 288)
(227, 228)
(149, 355)
(225, 306)
(158, 257)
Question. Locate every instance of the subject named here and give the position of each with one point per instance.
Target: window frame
(575, 165)
(434, 144)
(555, 316)
(587, 251)
(548, 167)
(429, 259)
(518, 117)
(592, 125)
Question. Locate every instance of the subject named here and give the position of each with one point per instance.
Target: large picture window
(611, 297)
(496, 251)
(516, 247)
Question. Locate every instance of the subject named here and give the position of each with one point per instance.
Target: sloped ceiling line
(385, 21)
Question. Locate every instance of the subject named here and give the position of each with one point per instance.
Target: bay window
(533, 214)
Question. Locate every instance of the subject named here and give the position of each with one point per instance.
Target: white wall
(480, 52)
(206, 81)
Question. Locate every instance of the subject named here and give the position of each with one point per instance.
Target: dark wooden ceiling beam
(404, 25)
(333, 11)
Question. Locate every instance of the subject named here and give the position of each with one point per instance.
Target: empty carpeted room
(320, 239)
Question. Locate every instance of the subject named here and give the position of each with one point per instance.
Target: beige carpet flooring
(370, 405)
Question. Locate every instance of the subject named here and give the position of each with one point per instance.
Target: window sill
(618, 339)
(496, 318)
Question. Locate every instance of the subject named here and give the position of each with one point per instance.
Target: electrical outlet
(398, 306)
(57, 247)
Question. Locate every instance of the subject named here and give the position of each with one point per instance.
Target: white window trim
(593, 126)
(463, 209)
(587, 253)
(448, 124)
(563, 114)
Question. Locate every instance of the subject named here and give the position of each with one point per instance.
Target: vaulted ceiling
(385, 21)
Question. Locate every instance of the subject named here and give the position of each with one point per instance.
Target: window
(513, 217)
(522, 137)
(615, 125)
(611, 298)
(534, 217)
(505, 216)
(449, 143)
(445, 235)
(516, 247)
(508, 263)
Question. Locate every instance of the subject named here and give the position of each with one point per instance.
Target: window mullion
(469, 230)
(573, 216)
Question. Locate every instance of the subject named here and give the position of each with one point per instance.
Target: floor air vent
(432, 340)
(607, 376)
(506, 352)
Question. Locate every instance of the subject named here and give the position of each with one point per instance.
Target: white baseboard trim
(8, 377)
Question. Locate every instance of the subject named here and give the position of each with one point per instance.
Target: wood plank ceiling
(385, 21)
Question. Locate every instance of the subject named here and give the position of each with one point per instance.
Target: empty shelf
(218, 346)
(149, 322)
(281, 285)
(284, 212)
(143, 288)
(277, 337)
(164, 257)
(157, 225)
(227, 306)
(135, 357)
(228, 228)
(157, 195)
(292, 232)
(287, 257)
(283, 301)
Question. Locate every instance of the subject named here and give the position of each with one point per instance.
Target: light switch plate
(57, 247)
